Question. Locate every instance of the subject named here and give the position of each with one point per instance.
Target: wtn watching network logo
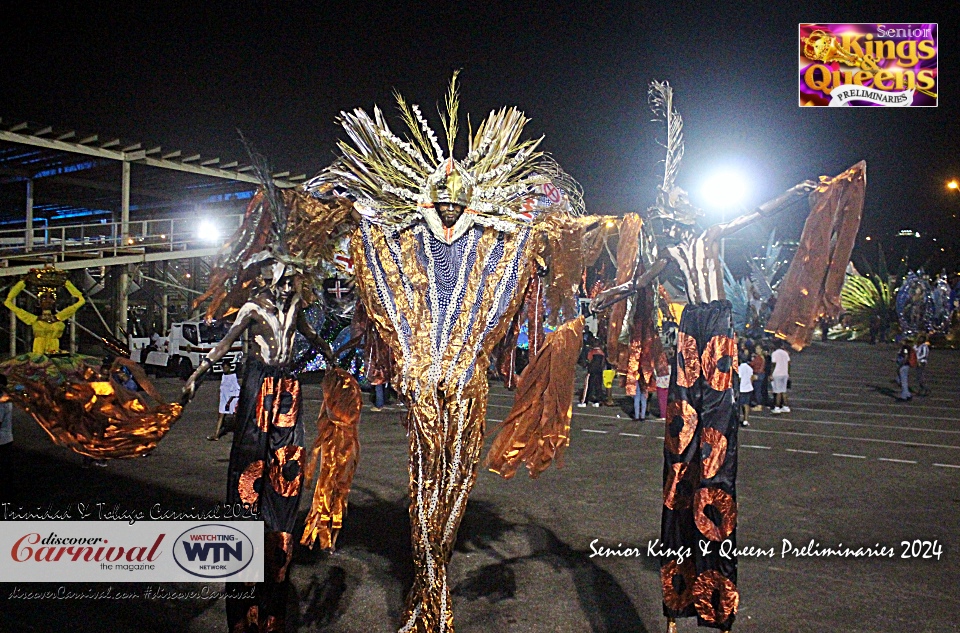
(213, 551)
(118, 551)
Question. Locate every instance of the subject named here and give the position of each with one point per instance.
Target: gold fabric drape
(811, 287)
(537, 429)
(333, 458)
(82, 407)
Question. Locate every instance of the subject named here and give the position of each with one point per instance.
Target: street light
(207, 231)
(953, 184)
(725, 190)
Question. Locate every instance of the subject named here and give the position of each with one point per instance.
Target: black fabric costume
(700, 470)
(266, 470)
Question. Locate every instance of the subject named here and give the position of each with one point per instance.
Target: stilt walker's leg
(445, 442)
(700, 471)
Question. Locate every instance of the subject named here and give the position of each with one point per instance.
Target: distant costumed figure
(700, 445)
(264, 280)
(80, 403)
(447, 252)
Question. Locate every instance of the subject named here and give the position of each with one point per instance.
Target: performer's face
(449, 213)
(284, 289)
(47, 304)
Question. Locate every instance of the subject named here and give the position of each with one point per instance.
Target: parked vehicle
(183, 348)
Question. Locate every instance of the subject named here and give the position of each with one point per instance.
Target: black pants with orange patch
(700, 471)
(266, 472)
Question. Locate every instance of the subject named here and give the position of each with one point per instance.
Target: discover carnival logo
(213, 551)
(868, 65)
(117, 551)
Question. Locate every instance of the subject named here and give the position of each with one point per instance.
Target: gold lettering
(907, 52)
(927, 50)
(850, 43)
(818, 81)
(883, 49)
(926, 80)
(860, 76)
(882, 76)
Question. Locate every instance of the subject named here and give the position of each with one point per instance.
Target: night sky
(281, 71)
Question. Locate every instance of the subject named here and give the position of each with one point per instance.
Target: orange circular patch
(717, 362)
(712, 588)
(688, 360)
(250, 476)
(725, 506)
(678, 581)
(284, 480)
(717, 451)
(674, 498)
(679, 414)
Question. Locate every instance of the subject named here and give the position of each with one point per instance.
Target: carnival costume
(80, 402)
(445, 253)
(700, 438)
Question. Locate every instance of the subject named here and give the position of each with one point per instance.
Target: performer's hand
(806, 186)
(189, 391)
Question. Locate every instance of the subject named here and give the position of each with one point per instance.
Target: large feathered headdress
(502, 182)
(672, 202)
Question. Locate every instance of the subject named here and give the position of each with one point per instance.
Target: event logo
(213, 551)
(868, 65)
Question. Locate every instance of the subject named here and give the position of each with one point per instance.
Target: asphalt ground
(849, 465)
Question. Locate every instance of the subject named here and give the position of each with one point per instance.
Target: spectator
(229, 396)
(921, 353)
(758, 397)
(780, 378)
(6, 433)
(640, 400)
(663, 386)
(903, 372)
(596, 363)
(609, 374)
(745, 372)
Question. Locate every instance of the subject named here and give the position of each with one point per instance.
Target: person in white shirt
(229, 396)
(780, 377)
(922, 352)
(745, 372)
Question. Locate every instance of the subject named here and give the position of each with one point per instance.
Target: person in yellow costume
(48, 327)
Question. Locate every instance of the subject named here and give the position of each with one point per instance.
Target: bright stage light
(952, 184)
(725, 190)
(208, 231)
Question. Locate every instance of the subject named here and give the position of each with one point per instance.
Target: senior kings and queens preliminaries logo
(868, 64)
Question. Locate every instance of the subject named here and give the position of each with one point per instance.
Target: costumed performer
(258, 277)
(445, 253)
(700, 439)
(77, 399)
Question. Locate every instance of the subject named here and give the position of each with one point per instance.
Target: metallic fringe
(335, 453)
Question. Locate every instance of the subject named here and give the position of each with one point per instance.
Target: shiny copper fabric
(537, 429)
(677, 581)
(250, 481)
(711, 588)
(811, 287)
(717, 362)
(333, 458)
(700, 467)
(81, 406)
(725, 507)
(627, 252)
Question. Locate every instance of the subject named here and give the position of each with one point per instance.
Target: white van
(183, 348)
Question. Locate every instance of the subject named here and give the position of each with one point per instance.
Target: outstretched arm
(304, 327)
(70, 310)
(767, 209)
(616, 294)
(11, 302)
(244, 320)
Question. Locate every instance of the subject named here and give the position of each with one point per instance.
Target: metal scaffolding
(63, 202)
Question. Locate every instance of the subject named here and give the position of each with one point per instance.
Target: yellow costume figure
(48, 327)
